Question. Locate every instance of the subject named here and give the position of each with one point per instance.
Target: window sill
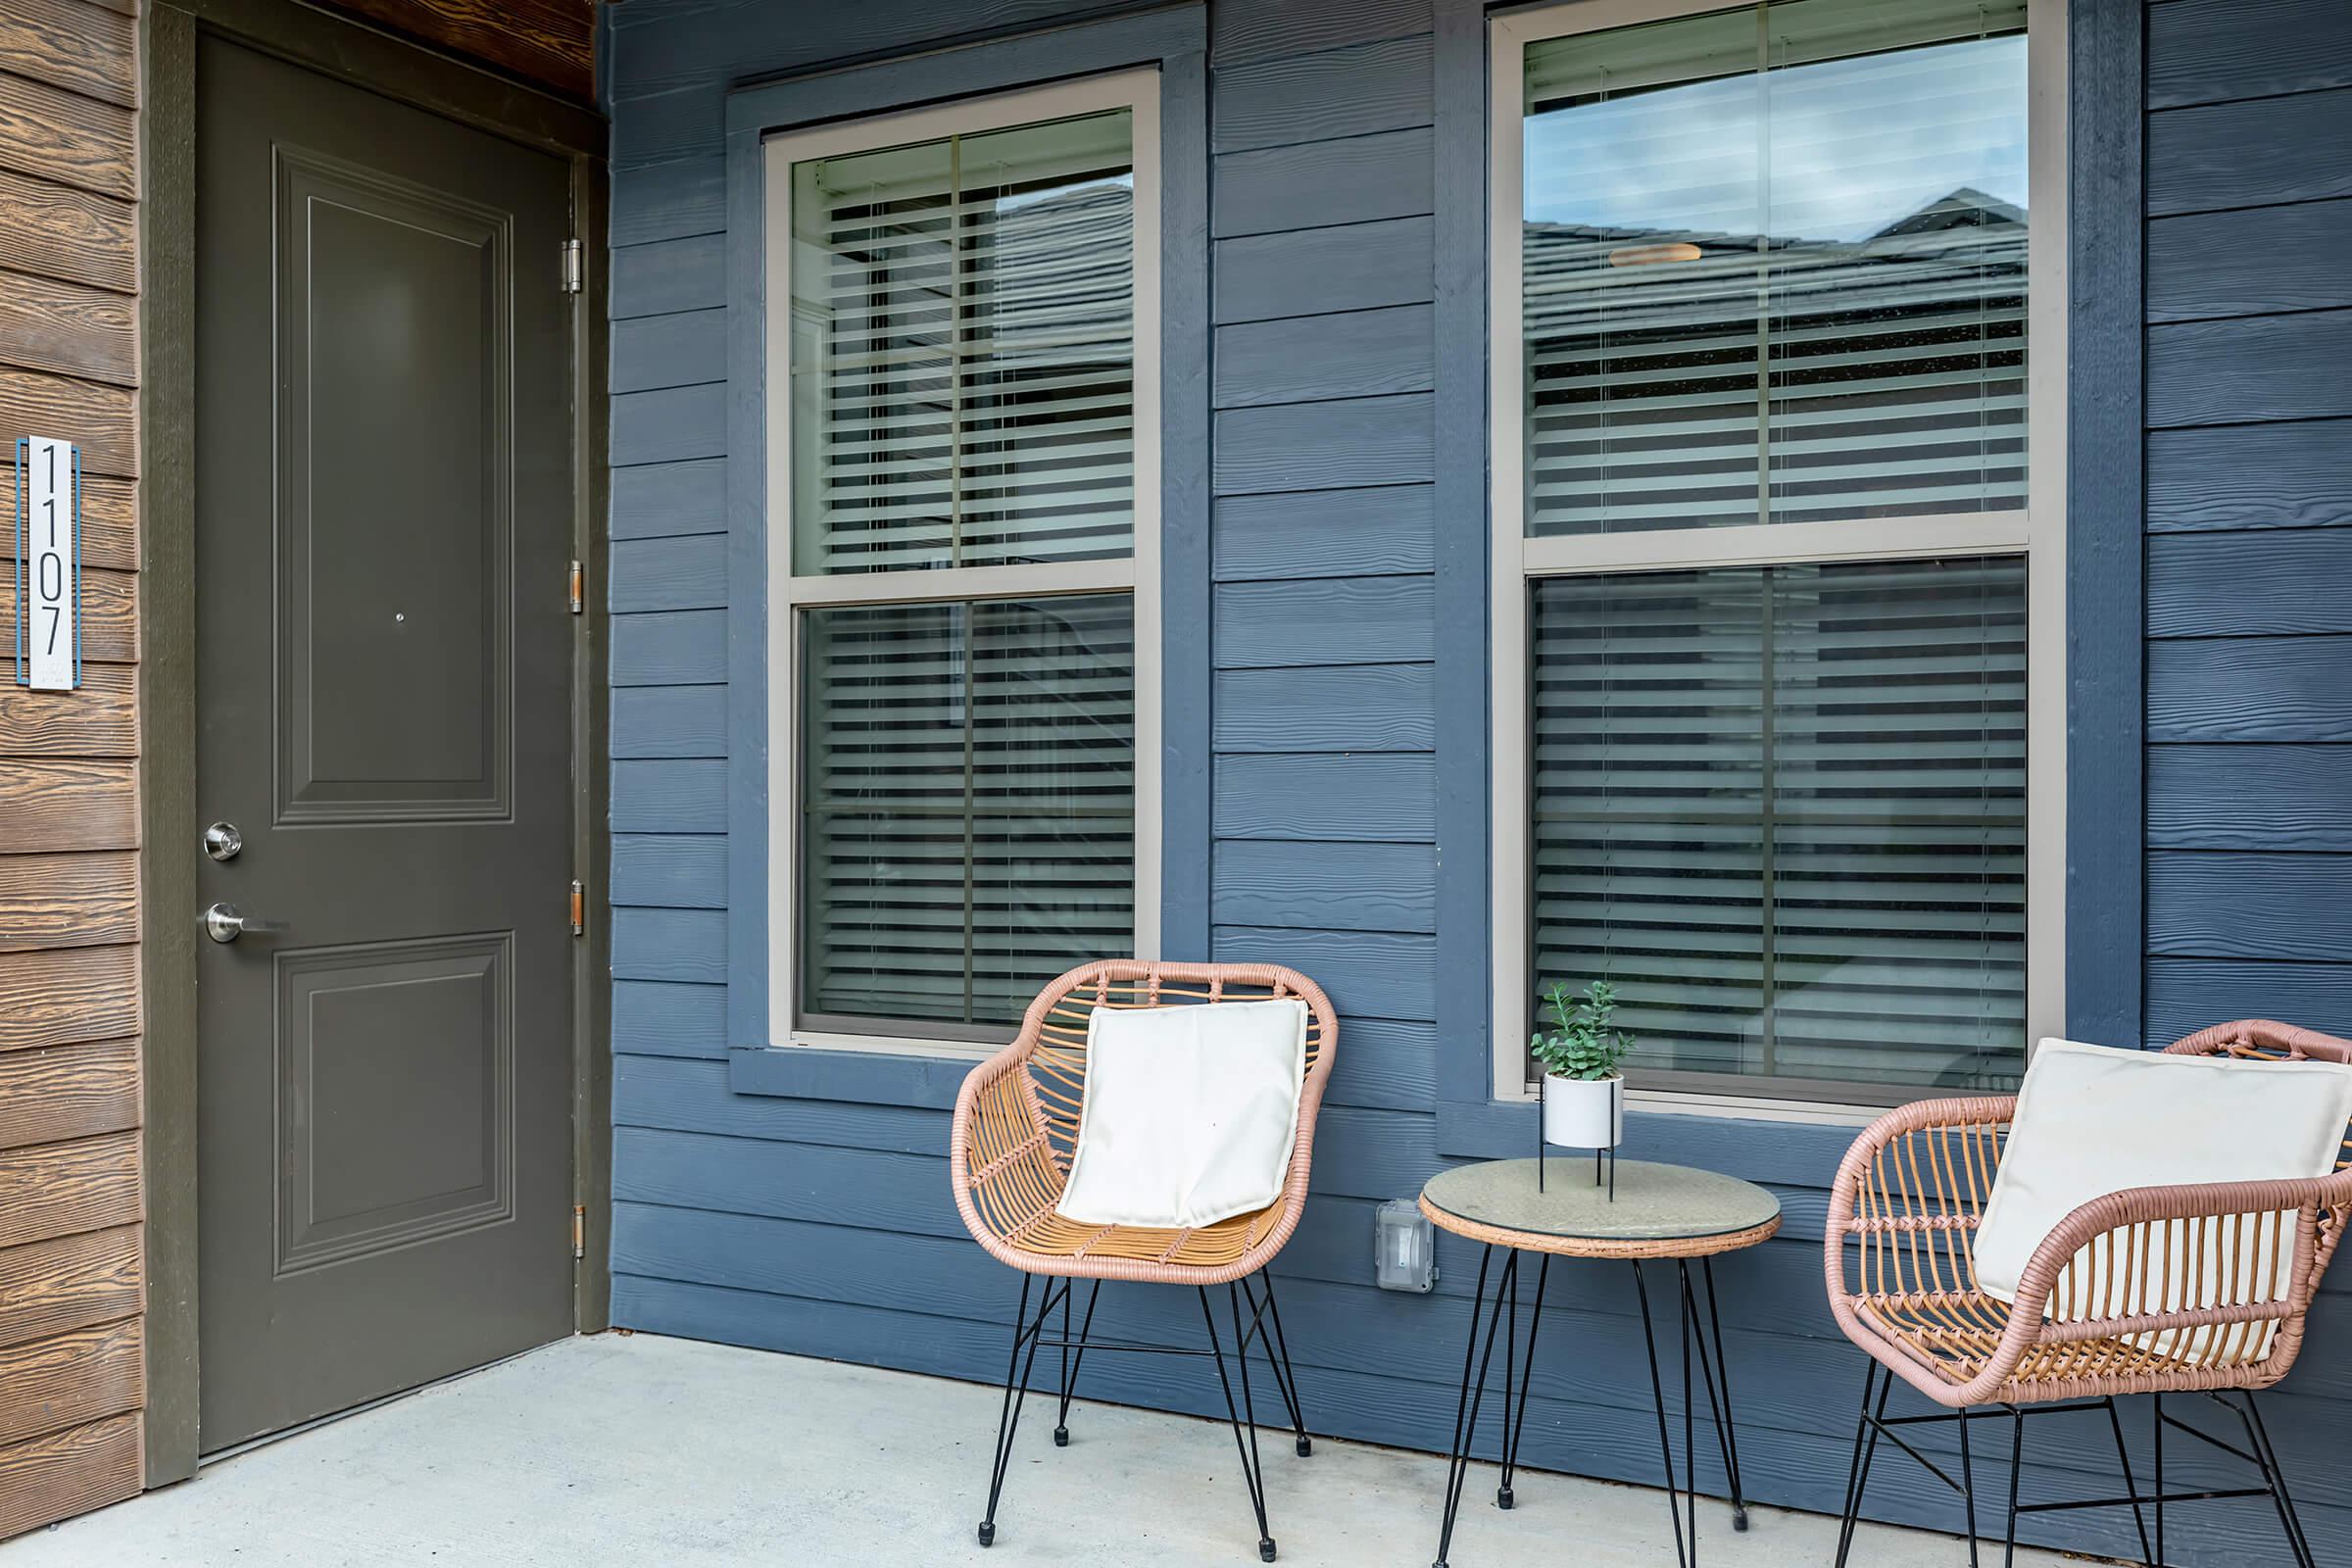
(893, 1072)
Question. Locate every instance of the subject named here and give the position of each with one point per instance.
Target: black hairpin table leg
(1658, 1213)
(1473, 1388)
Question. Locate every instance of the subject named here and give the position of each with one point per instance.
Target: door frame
(443, 84)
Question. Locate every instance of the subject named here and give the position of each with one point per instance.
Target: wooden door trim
(417, 75)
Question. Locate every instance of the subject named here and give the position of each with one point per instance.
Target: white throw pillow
(2093, 1119)
(1190, 1112)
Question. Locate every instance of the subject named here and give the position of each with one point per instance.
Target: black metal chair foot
(1265, 1548)
(988, 1533)
(1306, 1445)
(1738, 1518)
(1061, 1436)
(1504, 1498)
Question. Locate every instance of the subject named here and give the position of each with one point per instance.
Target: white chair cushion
(2093, 1119)
(1190, 1112)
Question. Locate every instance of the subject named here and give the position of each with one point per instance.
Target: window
(963, 487)
(1779, 574)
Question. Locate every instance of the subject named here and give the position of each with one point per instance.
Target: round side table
(1658, 1213)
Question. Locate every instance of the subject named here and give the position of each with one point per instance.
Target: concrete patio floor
(638, 1450)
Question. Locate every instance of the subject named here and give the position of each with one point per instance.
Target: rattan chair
(2110, 1305)
(1008, 1156)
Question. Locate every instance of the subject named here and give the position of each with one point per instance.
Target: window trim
(2039, 532)
(1137, 575)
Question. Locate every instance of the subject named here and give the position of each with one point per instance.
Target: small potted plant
(1583, 1093)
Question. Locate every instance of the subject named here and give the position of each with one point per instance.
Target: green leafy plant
(1582, 1043)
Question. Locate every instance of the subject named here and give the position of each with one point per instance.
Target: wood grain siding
(69, 1282)
(815, 1219)
(69, 1090)
(77, 1377)
(70, 1471)
(71, 1381)
(551, 43)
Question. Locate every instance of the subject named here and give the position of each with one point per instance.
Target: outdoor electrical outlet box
(1406, 1247)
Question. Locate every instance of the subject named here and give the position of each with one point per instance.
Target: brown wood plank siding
(69, 1090)
(551, 43)
(71, 44)
(100, 720)
(71, 1378)
(71, 1372)
(69, 1472)
(71, 328)
(64, 995)
(86, 899)
(67, 233)
(83, 1184)
(63, 136)
(67, 1283)
(103, 420)
(67, 804)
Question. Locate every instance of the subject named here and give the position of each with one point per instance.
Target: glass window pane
(967, 803)
(962, 349)
(1774, 267)
(1784, 810)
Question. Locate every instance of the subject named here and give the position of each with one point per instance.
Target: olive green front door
(384, 506)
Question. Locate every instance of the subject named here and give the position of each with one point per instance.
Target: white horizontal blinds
(1784, 809)
(1648, 788)
(1774, 267)
(967, 803)
(963, 350)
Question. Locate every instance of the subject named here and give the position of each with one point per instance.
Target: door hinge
(579, 588)
(575, 267)
(579, 907)
(579, 1230)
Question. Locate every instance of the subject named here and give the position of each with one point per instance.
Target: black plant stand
(1616, 1117)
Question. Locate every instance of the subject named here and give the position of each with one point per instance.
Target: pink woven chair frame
(2100, 1308)
(1016, 1123)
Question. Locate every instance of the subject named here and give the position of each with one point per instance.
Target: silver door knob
(223, 841)
(222, 923)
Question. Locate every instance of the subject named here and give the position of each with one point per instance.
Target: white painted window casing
(963, 565)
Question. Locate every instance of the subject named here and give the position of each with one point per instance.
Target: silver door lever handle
(222, 923)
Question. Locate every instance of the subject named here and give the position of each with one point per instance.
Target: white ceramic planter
(1584, 1113)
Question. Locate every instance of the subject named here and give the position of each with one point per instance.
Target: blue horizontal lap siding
(666, 593)
(1389, 529)
(680, 348)
(669, 721)
(2287, 475)
(1356, 180)
(1352, 267)
(1325, 538)
(664, 1019)
(2249, 556)
(669, 871)
(1361, 708)
(661, 500)
(696, 1164)
(822, 1226)
(670, 796)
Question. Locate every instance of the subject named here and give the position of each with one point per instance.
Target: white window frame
(2037, 532)
(789, 595)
